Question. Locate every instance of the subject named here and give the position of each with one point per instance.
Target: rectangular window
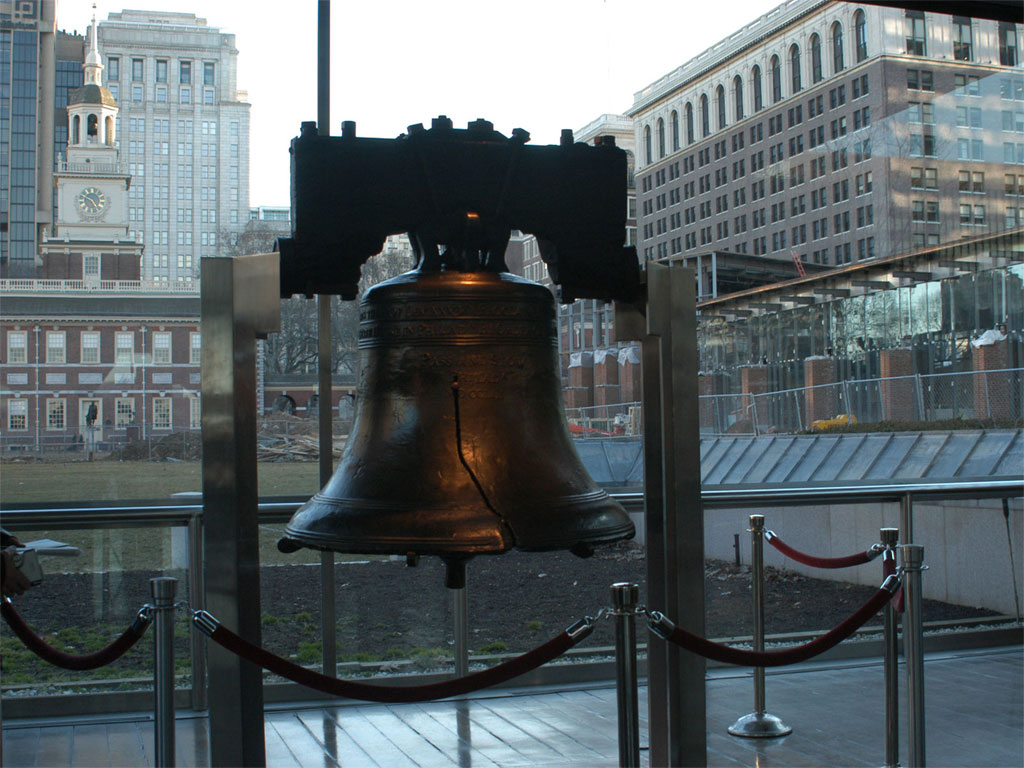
(17, 346)
(185, 72)
(56, 411)
(161, 413)
(90, 347)
(208, 72)
(124, 348)
(56, 347)
(185, 95)
(161, 348)
(124, 412)
(161, 70)
(195, 412)
(17, 415)
(195, 348)
(113, 68)
(137, 70)
(962, 38)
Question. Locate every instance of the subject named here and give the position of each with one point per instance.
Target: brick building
(92, 353)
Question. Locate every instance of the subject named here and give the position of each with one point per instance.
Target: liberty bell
(460, 445)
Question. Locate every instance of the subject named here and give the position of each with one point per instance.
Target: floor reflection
(465, 731)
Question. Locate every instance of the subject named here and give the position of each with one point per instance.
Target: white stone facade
(184, 134)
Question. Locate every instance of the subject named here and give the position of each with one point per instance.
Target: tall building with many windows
(184, 132)
(38, 67)
(834, 132)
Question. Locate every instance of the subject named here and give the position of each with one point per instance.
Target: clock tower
(91, 239)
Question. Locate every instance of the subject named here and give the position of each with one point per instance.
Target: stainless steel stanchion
(460, 614)
(889, 537)
(913, 648)
(624, 600)
(759, 724)
(163, 590)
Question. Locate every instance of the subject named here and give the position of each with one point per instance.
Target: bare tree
(295, 348)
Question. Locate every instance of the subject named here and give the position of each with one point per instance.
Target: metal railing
(32, 286)
(996, 396)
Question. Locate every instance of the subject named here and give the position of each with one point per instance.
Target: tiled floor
(974, 708)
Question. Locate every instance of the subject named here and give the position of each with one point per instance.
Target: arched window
(815, 59)
(76, 130)
(794, 67)
(776, 74)
(92, 126)
(837, 47)
(915, 33)
(860, 35)
(661, 138)
(647, 144)
(675, 131)
(720, 99)
(705, 118)
(688, 115)
(737, 89)
(755, 75)
(108, 133)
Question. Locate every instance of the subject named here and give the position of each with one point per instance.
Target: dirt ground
(388, 611)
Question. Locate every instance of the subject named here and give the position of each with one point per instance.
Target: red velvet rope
(819, 562)
(395, 694)
(729, 655)
(46, 652)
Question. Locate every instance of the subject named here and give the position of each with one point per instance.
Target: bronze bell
(460, 445)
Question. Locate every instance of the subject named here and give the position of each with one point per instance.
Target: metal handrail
(164, 514)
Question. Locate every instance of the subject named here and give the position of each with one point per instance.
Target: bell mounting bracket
(458, 193)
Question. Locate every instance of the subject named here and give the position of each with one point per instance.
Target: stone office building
(836, 132)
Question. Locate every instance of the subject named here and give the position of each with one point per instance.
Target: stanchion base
(754, 726)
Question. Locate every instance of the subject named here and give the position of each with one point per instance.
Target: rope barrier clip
(876, 550)
(660, 624)
(143, 619)
(205, 622)
(580, 629)
(891, 583)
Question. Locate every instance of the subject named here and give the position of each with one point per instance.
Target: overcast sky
(542, 65)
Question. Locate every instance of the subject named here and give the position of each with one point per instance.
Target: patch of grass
(535, 626)
(496, 647)
(310, 652)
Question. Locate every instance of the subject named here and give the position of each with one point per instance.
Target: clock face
(91, 201)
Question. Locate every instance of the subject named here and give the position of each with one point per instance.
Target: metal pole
(197, 600)
(759, 724)
(324, 365)
(913, 646)
(624, 600)
(163, 589)
(906, 518)
(889, 537)
(460, 602)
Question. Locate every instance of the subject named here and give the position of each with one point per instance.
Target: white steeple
(93, 65)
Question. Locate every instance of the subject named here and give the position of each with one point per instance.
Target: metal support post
(624, 601)
(163, 589)
(240, 301)
(913, 647)
(460, 613)
(196, 596)
(674, 515)
(889, 537)
(906, 518)
(325, 384)
(759, 724)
